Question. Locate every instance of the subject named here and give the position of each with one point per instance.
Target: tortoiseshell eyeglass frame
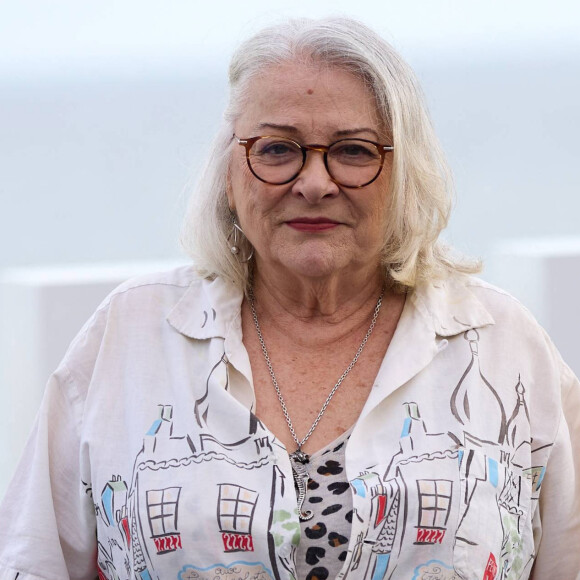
(249, 142)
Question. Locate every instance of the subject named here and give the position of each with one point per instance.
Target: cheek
(255, 203)
(248, 206)
(237, 184)
(377, 217)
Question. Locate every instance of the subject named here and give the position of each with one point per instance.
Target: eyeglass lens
(350, 162)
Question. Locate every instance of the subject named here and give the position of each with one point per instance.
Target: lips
(315, 224)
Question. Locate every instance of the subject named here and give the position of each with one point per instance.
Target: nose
(314, 182)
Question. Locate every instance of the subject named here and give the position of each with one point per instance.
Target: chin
(314, 264)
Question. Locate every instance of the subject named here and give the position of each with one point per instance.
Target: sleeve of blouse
(558, 554)
(47, 522)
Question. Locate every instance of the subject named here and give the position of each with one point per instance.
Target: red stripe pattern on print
(168, 543)
(237, 542)
(430, 536)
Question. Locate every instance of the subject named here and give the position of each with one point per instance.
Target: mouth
(316, 224)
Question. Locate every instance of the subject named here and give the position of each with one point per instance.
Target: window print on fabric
(470, 491)
(236, 507)
(148, 526)
(434, 509)
(162, 507)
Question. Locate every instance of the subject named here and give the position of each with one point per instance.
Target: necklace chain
(336, 386)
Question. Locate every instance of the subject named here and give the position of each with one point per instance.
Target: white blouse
(147, 463)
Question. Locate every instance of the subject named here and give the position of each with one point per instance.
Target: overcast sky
(48, 36)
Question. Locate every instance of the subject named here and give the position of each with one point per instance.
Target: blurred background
(107, 109)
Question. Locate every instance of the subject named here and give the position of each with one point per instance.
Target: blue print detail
(541, 478)
(107, 500)
(381, 566)
(359, 487)
(154, 428)
(406, 427)
(493, 473)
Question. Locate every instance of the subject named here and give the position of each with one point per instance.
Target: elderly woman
(327, 393)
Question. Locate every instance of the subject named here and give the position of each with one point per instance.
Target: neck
(318, 315)
(329, 300)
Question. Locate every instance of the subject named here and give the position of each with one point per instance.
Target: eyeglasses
(349, 162)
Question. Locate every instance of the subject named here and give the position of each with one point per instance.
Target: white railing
(544, 274)
(41, 310)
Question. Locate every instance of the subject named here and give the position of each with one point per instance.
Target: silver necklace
(299, 459)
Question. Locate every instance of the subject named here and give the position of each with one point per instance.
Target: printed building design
(486, 462)
(145, 514)
(236, 507)
(397, 519)
(418, 502)
(162, 506)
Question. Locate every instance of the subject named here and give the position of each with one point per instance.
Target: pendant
(299, 460)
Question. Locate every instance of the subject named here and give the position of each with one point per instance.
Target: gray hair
(421, 184)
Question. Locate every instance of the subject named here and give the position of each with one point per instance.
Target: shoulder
(136, 309)
(495, 298)
(506, 330)
(151, 294)
(514, 322)
(517, 337)
(504, 310)
(166, 284)
(460, 302)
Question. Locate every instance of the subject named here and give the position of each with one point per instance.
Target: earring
(235, 248)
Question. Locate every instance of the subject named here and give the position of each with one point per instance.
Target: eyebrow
(338, 134)
(349, 132)
(276, 127)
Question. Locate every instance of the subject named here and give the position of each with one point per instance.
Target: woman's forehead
(306, 98)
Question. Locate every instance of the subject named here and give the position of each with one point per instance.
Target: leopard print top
(324, 539)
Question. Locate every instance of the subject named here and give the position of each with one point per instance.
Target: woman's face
(311, 226)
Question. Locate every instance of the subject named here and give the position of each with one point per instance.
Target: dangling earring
(235, 248)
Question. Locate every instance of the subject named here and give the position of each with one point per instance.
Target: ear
(229, 192)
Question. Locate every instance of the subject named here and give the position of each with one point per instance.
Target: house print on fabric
(426, 508)
(435, 479)
(143, 516)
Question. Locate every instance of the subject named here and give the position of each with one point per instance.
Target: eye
(354, 152)
(272, 150)
(279, 148)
